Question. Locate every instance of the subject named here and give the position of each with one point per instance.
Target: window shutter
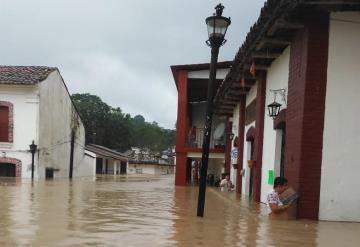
(4, 124)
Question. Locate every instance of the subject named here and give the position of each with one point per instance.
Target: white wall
(277, 78)
(56, 119)
(235, 129)
(339, 194)
(246, 157)
(145, 168)
(204, 74)
(25, 102)
(151, 169)
(251, 95)
(211, 155)
(87, 167)
(111, 166)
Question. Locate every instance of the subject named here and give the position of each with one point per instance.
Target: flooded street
(147, 211)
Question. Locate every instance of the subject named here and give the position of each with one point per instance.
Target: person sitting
(226, 184)
(275, 206)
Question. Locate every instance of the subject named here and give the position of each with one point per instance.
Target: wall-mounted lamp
(274, 107)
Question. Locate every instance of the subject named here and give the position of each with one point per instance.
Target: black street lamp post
(33, 148)
(217, 26)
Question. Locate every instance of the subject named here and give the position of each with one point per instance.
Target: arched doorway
(7, 170)
(10, 167)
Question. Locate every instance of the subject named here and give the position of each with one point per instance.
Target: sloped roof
(128, 153)
(274, 16)
(196, 67)
(106, 152)
(24, 75)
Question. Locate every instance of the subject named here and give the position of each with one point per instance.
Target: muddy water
(147, 211)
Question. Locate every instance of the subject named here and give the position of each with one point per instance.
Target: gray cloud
(119, 50)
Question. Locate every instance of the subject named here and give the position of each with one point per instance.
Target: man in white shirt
(226, 184)
(275, 206)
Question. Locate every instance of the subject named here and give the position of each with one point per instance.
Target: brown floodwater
(147, 211)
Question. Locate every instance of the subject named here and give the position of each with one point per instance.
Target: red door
(4, 124)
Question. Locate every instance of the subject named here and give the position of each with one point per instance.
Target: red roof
(24, 75)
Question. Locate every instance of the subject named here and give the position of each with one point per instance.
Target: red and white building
(191, 82)
(308, 52)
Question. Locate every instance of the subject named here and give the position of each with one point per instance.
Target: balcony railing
(198, 140)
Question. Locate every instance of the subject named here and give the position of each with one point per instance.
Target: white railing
(197, 143)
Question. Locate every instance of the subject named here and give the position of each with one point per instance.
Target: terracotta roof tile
(24, 75)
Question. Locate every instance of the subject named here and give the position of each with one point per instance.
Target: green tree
(110, 127)
(95, 115)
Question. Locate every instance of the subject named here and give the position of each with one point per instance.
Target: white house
(108, 161)
(143, 161)
(35, 105)
(150, 167)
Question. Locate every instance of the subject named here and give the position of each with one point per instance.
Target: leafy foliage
(110, 127)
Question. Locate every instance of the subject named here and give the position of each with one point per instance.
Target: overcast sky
(119, 50)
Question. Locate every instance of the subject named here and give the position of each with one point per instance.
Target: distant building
(191, 81)
(35, 105)
(143, 161)
(108, 161)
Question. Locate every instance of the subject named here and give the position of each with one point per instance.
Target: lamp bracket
(281, 92)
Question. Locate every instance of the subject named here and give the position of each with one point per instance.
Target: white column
(115, 166)
(103, 165)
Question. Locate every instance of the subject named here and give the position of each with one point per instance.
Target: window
(6, 121)
(4, 124)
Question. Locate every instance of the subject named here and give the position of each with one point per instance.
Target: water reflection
(147, 211)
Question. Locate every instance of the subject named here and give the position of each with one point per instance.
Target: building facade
(303, 55)
(144, 161)
(191, 82)
(35, 105)
(108, 161)
(150, 168)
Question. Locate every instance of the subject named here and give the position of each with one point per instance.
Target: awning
(106, 152)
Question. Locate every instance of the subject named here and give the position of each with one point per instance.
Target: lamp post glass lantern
(274, 109)
(217, 27)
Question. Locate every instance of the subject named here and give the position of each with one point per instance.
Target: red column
(305, 112)
(228, 130)
(241, 136)
(181, 129)
(259, 134)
